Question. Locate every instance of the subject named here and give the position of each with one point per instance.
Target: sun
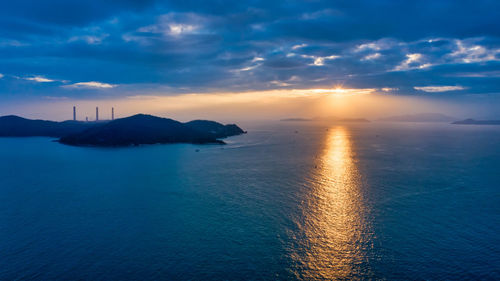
(339, 90)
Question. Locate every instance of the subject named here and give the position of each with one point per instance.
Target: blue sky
(110, 49)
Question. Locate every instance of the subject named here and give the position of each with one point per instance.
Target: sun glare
(342, 92)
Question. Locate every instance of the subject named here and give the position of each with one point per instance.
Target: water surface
(286, 201)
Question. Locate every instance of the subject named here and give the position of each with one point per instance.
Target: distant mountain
(296, 120)
(216, 130)
(477, 122)
(421, 117)
(148, 129)
(15, 126)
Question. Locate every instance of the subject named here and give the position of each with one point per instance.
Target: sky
(257, 57)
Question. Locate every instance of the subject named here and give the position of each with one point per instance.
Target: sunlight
(343, 92)
(335, 226)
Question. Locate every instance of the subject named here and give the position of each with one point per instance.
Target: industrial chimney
(74, 113)
(112, 113)
(97, 114)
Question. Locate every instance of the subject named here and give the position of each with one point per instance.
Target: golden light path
(334, 225)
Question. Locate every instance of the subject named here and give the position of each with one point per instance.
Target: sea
(286, 201)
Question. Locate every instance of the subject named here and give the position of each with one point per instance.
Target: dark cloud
(244, 45)
(65, 12)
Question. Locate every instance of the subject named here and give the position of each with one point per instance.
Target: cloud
(179, 28)
(478, 74)
(255, 59)
(295, 47)
(143, 46)
(280, 83)
(413, 61)
(176, 24)
(170, 28)
(89, 39)
(372, 56)
(379, 45)
(368, 46)
(320, 61)
(320, 14)
(90, 85)
(255, 62)
(385, 89)
(68, 13)
(248, 68)
(467, 51)
(437, 89)
(1, 75)
(293, 80)
(39, 79)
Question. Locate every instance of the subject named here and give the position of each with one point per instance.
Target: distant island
(477, 122)
(134, 130)
(420, 117)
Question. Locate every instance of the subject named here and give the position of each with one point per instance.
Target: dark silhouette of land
(148, 129)
(420, 117)
(15, 126)
(133, 130)
(477, 122)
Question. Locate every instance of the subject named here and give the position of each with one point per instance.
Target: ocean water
(287, 201)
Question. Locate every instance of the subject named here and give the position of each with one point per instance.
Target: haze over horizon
(250, 59)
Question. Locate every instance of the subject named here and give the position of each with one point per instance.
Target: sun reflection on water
(335, 233)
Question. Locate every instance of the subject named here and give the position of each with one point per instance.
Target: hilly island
(134, 130)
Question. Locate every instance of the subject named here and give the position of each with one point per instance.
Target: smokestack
(97, 114)
(112, 113)
(74, 113)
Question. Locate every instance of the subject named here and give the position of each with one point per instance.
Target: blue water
(284, 202)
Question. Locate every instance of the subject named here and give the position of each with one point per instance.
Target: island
(477, 122)
(420, 117)
(15, 126)
(134, 130)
